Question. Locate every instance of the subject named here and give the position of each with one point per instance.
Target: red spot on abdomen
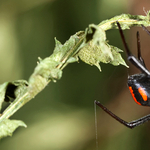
(131, 91)
(142, 93)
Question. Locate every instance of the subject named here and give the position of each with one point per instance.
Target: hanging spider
(139, 84)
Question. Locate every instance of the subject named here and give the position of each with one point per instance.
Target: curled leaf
(95, 48)
(11, 90)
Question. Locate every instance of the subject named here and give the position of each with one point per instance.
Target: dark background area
(62, 117)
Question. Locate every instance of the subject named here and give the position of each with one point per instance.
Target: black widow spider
(139, 84)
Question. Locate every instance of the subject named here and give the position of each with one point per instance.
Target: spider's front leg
(136, 62)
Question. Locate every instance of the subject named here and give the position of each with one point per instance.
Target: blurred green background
(61, 117)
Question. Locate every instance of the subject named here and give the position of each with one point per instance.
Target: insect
(139, 84)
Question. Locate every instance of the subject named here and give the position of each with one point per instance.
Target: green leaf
(96, 49)
(7, 127)
(60, 50)
(9, 91)
(65, 53)
(117, 57)
(46, 69)
(126, 20)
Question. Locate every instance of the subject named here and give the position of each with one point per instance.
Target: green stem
(37, 83)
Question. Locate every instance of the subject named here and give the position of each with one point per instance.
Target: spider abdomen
(139, 86)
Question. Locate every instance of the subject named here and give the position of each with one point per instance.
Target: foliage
(90, 46)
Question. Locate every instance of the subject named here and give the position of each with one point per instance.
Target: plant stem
(51, 67)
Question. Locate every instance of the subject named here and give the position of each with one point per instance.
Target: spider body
(139, 84)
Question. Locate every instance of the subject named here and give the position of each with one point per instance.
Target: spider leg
(131, 124)
(132, 58)
(139, 50)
